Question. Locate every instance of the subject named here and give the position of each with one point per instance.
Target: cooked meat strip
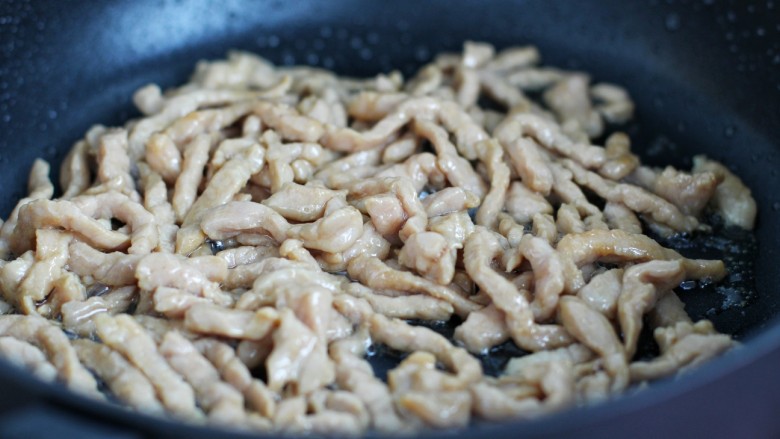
(682, 346)
(301, 203)
(481, 248)
(294, 359)
(374, 273)
(223, 403)
(113, 269)
(206, 318)
(38, 187)
(233, 218)
(523, 204)
(491, 154)
(55, 344)
(127, 337)
(635, 198)
(593, 330)
(689, 192)
(126, 382)
(26, 355)
(333, 233)
(74, 172)
(618, 246)
(615, 105)
(248, 254)
(430, 255)
(78, 215)
(620, 161)
(457, 169)
(618, 216)
(114, 163)
(548, 275)
(532, 385)
(164, 157)
(570, 101)
(732, 199)
(197, 275)
(602, 291)
(355, 374)
(235, 373)
(227, 182)
(482, 330)
(155, 197)
(448, 200)
(643, 285)
(196, 155)
(416, 306)
(78, 316)
(51, 255)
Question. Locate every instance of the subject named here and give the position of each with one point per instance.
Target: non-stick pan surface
(705, 76)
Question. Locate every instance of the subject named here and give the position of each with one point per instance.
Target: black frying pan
(705, 76)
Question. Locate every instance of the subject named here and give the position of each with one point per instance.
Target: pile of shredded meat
(230, 256)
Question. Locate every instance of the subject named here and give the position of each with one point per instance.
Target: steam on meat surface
(275, 222)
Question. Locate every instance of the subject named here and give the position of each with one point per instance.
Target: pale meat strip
(302, 203)
(548, 275)
(523, 203)
(51, 254)
(374, 273)
(52, 341)
(481, 249)
(222, 187)
(635, 198)
(602, 291)
(333, 233)
(294, 346)
(457, 169)
(643, 285)
(732, 199)
(113, 269)
(78, 316)
(234, 372)
(195, 157)
(49, 214)
(28, 356)
(492, 156)
(38, 187)
(618, 216)
(156, 201)
(74, 171)
(127, 337)
(164, 157)
(593, 330)
(431, 255)
(614, 246)
(464, 369)
(223, 403)
(114, 163)
(482, 330)
(231, 219)
(210, 319)
(416, 306)
(448, 200)
(126, 382)
(683, 346)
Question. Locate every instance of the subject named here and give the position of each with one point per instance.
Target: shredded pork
(237, 254)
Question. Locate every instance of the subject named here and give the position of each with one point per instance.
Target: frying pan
(705, 76)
